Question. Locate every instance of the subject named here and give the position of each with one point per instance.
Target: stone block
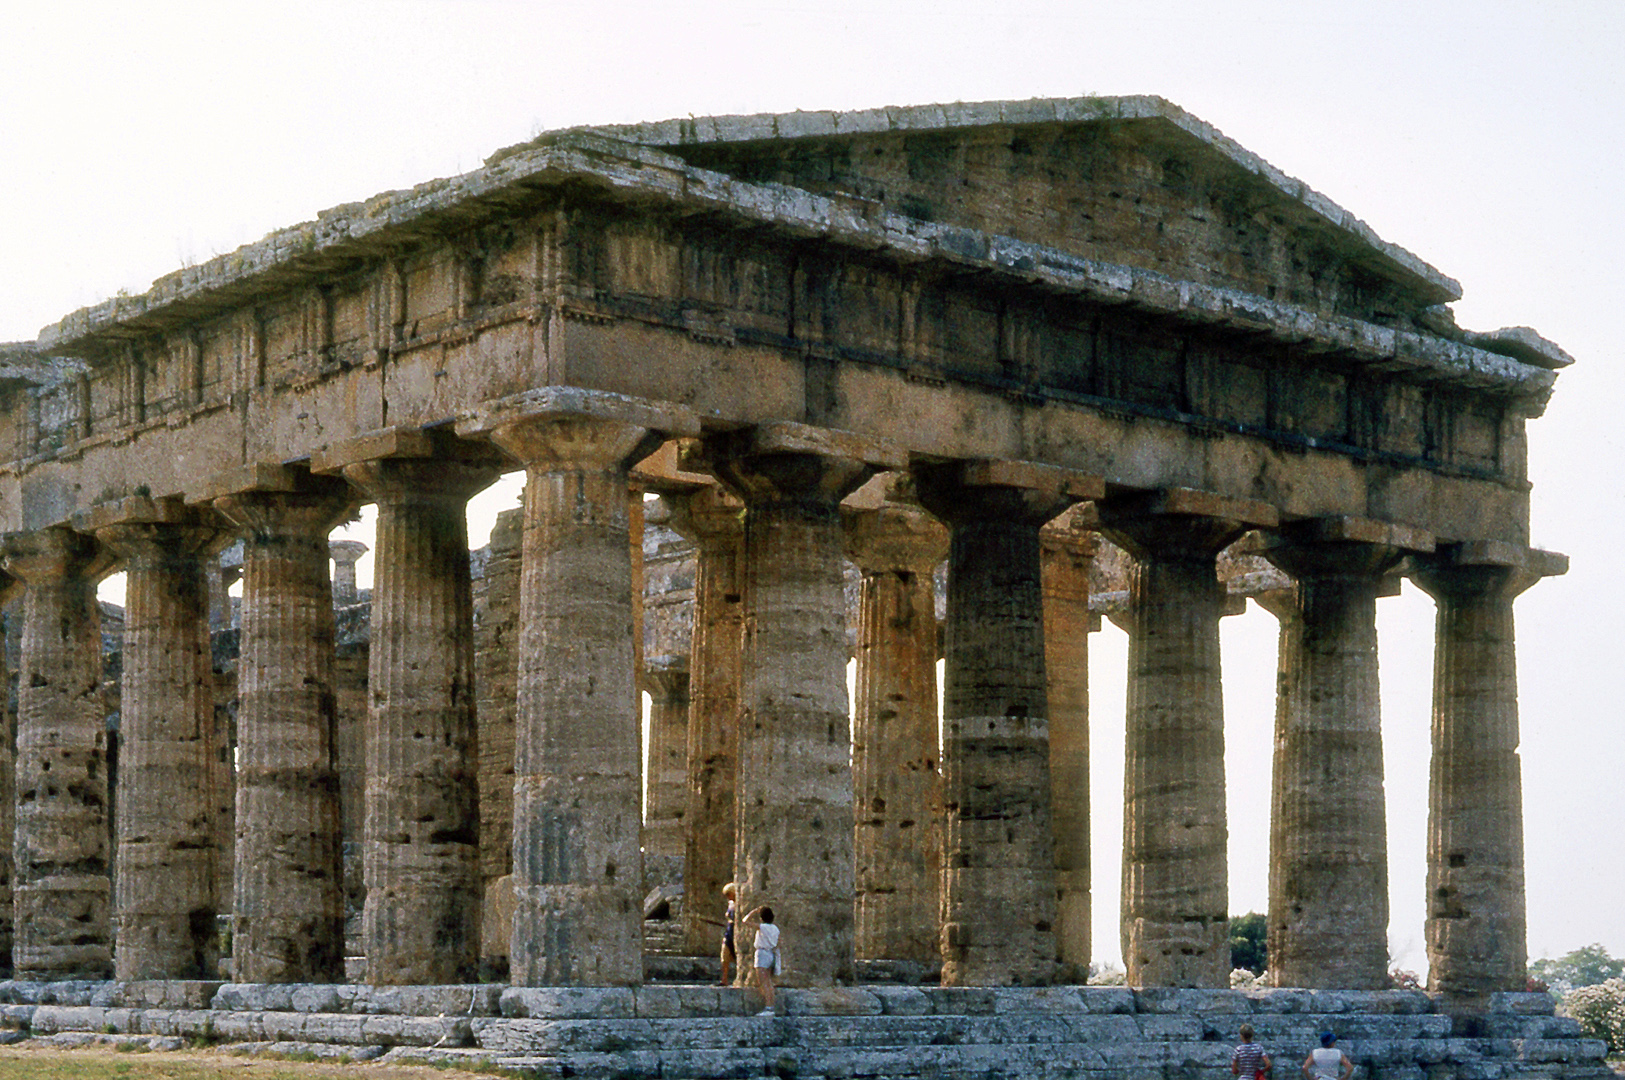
(16, 1017)
(1045, 999)
(1164, 999)
(284, 1026)
(314, 998)
(1107, 999)
(901, 1000)
(396, 1030)
(1523, 1004)
(334, 1028)
(828, 1001)
(165, 993)
(238, 1026)
(961, 1000)
(254, 997)
(569, 1001)
(1159, 1026)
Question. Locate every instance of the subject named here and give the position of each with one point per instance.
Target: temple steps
(908, 1033)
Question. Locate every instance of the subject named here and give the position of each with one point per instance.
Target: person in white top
(1327, 1062)
(767, 953)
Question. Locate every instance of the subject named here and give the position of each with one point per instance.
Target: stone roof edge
(355, 229)
(828, 124)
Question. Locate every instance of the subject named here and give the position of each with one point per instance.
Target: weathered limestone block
(666, 679)
(1328, 918)
(62, 890)
(1175, 917)
(794, 848)
(715, 522)
(421, 849)
(1476, 925)
(287, 906)
(577, 763)
(896, 785)
(10, 589)
(1066, 552)
(999, 842)
(165, 896)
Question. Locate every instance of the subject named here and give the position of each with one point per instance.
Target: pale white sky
(1484, 136)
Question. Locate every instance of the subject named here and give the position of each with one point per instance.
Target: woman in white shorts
(767, 953)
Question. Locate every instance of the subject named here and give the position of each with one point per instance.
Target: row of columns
(775, 801)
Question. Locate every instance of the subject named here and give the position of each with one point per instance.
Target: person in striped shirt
(1249, 1059)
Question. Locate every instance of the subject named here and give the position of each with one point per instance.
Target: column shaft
(1066, 555)
(1328, 919)
(578, 915)
(896, 785)
(62, 892)
(165, 894)
(10, 589)
(287, 903)
(1476, 923)
(1175, 922)
(999, 898)
(794, 849)
(421, 839)
(714, 521)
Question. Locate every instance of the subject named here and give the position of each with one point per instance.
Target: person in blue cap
(1327, 1062)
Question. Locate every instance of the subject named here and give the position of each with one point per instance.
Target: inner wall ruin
(899, 385)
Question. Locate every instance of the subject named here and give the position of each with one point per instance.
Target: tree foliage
(1585, 966)
(1601, 1011)
(1248, 948)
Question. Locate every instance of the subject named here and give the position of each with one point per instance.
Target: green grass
(109, 1063)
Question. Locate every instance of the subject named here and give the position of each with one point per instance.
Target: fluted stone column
(1066, 551)
(794, 850)
(10, 589)
(287, 902)
(1328, 908)
(1476, 923)
(62, 892)
(165, 896)
(578, 914)
(896, 784)
(1175, 917)
(666, 679)
(421, 846)
(999, 841)
(345, 553)
(715, 522)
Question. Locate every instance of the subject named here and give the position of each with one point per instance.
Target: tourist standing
(1249, 1059)
(1327, 1062)
(767, 953)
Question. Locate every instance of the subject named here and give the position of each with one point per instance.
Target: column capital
(1180, 524)
(140, 527)
(665, 678)
(263, 500)
(411, 464)
(567, 427)
(1484, 567)
(706, 515)
(1026, 491)
(894, 536)
(1339, 547)
(41, 556)
(788, 464)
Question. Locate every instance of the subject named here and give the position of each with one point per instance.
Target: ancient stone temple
(1055, 347)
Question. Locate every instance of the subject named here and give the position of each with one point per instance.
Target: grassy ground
(34, 1062)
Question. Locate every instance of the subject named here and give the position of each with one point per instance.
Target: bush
(1600, 1009)
(1248, 947)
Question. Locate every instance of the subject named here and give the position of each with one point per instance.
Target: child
(767, 953)
(1249, 1059)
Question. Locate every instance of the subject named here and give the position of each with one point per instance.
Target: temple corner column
(1476, 923)
(578, 775)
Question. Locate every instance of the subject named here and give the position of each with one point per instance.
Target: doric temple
(1016, 339)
